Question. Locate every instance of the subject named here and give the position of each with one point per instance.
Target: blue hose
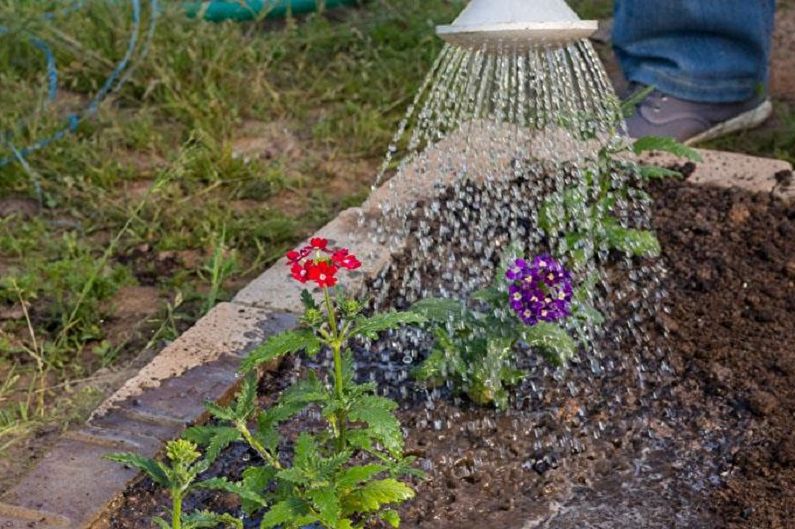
(112, 82)
(213, 10)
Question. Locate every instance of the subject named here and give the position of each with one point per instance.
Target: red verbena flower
(323, 273)
(319, 243)
(345, 259)
(319, 263)
(300, 272)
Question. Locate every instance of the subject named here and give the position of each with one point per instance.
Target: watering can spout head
(522, 24)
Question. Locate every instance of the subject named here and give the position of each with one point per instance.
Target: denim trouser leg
(701, 50)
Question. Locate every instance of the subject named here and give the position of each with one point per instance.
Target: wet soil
(707, 445)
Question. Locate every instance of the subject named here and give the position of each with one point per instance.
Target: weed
(221, 265)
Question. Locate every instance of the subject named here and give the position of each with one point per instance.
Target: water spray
(522, 24)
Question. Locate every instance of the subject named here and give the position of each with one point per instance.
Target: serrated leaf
(582, 306)
(306, 391)
(552, 215)
(440, 310)
(370, 327)
(294, 400)
(390, 517)
(246, 397)
(256, 479)
(352, 476)
(377, 412)
(285, 511)
(371, 496)
(225, 413)
(305, 451)
(210, 520)
(327, 504)
(153, 469)
(214, 438)
(640, 243)
(629, 105)
(359, 440)
(652, 172)
(665, 144)
(493, 296)
(161, 523)
(553, 341)
(280, 345)
(242, 489)
(294, 475)
(307, 300)
(432, 369)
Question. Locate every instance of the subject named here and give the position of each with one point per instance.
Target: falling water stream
(491, 140)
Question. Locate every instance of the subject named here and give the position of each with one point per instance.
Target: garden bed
(706, 448)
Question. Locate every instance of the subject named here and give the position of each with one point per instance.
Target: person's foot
(690, 122)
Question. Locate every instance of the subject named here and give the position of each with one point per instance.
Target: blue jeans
(713, 51)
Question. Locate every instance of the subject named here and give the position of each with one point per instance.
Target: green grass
(337, 83)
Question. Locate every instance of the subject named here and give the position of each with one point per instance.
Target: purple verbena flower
(540, 290)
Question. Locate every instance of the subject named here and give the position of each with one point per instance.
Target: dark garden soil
(710, 447)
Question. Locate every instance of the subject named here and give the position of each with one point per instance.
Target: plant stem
(257, 446)
(336, 348)
(176, 509)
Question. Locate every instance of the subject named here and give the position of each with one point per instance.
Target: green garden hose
(240, 10)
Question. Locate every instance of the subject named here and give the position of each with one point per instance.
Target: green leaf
(352, 476)
(294, 475)
(215, 438)
(284, 512)
(150, 467)
(305, 452)
(553, 341)
(306, 391)
(246, 397)
(665, 144)
(225, 413)
(640, 243)
(294, 400)
(652, 172)
(390, 517)
(241, 489)
(377, 412)
(210, 520)
(440, 310)
(308, 300)
(370, 327)
(280, 345)
(256, 479)
(161, 523)
(629, 106)
(327, 503)
(432, 369)
(582, 308)
(552, 215)
(491, 295)
(371, 496)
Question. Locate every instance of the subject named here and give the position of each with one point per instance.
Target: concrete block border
(167, 394)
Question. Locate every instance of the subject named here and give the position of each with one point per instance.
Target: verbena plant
(474, 347)
(345, 475)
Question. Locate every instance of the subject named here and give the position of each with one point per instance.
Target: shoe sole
(745, 121)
